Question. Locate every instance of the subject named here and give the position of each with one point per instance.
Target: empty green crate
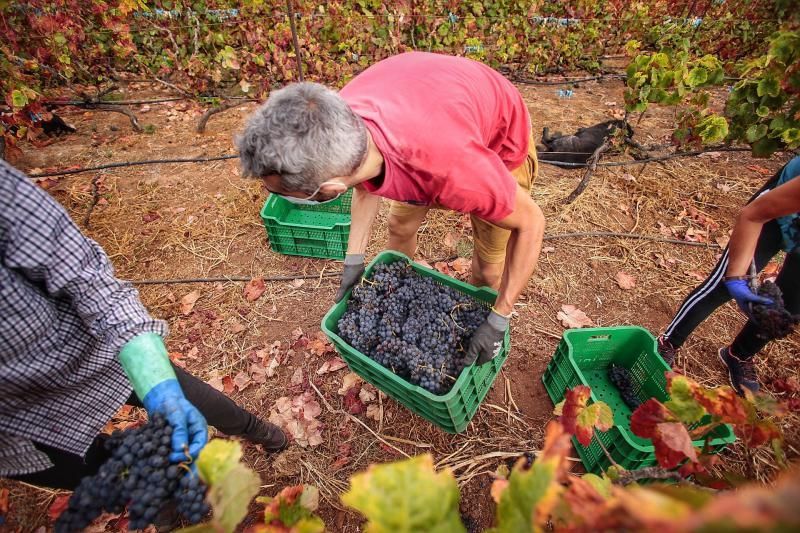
(451, 411)
(583, 357)
(308, 230)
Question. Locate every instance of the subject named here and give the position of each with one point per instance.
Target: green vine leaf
(232, 485)
(382, 495)
(527, 499)
(712, 129)
(682, 402)
(756, 132)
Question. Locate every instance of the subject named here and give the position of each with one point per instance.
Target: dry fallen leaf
(254, 289)
(348, 381)
(242, 381)
(374, 412)
(331, 365)
(297, 377)
(722, 240)
(367, 393)
(222, 383)
(297, 416)
(548, 249)
(450, 240)
(297, 283)
(188, 301)
(625, 280)
(760, 170)
(258, 373)
(461, 265)
(572, 317)
(297, 333)
(343, 457)
(442, 267)
(320, 345)
(237, 327)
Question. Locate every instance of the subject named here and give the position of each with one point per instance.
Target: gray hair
(305, 133)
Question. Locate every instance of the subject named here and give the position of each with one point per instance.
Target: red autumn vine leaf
(673, 444)
(647, 416)
(722, 402)
(757, 433)
(580, 419)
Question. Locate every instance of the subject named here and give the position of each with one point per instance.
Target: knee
(401, 231)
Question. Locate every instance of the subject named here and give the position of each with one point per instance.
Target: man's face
(272, 184)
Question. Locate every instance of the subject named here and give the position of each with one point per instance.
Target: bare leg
(403, 229)
(486, 274)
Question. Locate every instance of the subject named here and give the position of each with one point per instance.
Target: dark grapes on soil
(137, 476)
(773, 321)
(621, 378)
(415, 327)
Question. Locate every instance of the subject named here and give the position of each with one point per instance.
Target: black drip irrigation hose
(581, 234)
(235, 156)
(133, 164)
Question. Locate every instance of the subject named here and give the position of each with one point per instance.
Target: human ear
(333, 187)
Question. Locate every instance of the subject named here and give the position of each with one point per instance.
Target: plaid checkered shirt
(63, 320)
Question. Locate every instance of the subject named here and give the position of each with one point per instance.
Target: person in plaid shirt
(76, 344)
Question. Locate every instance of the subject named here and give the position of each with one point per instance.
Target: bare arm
(778, 202)
(363, 211)
(526, 223)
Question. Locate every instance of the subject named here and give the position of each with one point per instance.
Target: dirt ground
(202, 220)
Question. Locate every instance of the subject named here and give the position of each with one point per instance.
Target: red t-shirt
(450, 130)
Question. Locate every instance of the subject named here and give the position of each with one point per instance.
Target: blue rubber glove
(188, 425)
(740, 291)
(144, 359)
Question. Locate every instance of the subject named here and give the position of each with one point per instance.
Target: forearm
(363, 211)
(743, 245)
(522, 254)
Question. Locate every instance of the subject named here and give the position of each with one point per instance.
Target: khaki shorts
(490, 240)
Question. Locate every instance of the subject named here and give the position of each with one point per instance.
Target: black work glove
(487, 339)
(353, 270)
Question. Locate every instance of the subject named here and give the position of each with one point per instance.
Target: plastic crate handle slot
(599, 338)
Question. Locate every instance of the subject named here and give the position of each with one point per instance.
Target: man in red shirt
(426, 131)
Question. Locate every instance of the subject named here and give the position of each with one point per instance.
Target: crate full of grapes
(405, 328)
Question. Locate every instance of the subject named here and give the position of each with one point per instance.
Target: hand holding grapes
(189, 428)
(488, 339)
(144, 359)
(740, 291)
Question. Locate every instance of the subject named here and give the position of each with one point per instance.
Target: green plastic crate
(308, 230)
(583, 357)
(450, 412)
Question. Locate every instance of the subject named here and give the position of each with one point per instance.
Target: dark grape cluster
(773, 321)
(139, 476)
(417, 328)
(621, 378)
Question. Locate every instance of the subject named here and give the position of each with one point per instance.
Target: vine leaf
(527, 499)
(682, 402)
(232, 485)
(382, 495)
(673, 444)
(291, 511)
(580, 419)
